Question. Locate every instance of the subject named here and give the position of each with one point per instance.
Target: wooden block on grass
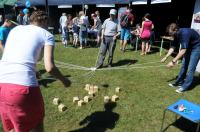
(115, 98)
(87, 99)
(62, 107)
(75, 99)
(91, 93)
(95, 89)
(56, 101)
(80, 102)
(87, 87)
(117, 89)
(91, 88)
(106, 99)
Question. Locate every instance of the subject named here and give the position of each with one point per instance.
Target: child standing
(75, 29)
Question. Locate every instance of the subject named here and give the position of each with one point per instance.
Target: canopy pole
(47, 7)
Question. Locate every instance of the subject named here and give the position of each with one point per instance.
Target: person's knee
(12, 130)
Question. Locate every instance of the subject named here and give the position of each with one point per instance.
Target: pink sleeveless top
(146, 30)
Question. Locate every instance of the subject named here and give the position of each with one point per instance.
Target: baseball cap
(11, 18)
(113, 11)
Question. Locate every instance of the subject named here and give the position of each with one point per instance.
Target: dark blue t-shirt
(75, 28)
(188, 38)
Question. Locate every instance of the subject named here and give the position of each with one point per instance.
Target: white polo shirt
(22, 50)
(110, 27)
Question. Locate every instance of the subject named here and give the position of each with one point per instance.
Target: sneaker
(174, 85)
(141, 54)
(180, 90)
(99, 66)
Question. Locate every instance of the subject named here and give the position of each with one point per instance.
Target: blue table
(192, 112)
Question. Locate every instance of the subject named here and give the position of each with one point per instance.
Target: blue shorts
(125, 34)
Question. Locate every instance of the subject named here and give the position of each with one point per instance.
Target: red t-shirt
(130, 17)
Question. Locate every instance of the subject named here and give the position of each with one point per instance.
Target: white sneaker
(173, 85)
(180, 90)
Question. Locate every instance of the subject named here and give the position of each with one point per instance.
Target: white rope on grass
(69, 67)
(112, 68)
(63, 63)
(91, 71)
(85, 74)
(147, 63)
(129, 68)
(75, 67)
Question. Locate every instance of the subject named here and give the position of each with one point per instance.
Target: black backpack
(124, 20)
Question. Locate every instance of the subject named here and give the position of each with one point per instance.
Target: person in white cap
(108, 36)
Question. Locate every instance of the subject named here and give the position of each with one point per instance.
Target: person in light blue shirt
(5, 29)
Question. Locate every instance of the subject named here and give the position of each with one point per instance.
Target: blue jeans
(83, 37)
(188, 68)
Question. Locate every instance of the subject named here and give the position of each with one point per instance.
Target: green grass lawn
(144, 95)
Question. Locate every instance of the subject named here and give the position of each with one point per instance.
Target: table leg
(198, 127)
(161, 129)
(161, 47)
(136, 44)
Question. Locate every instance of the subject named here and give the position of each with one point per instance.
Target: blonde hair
(81, 13)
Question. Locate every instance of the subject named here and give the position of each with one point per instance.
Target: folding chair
(191, 112)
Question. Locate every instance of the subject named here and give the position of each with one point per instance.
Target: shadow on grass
(92, 44)
(124, 62)
(173, 79)
(48, 80)
(44, 82)
(196, 82)
(183, 124)
(100, 121)
(105, 85)
(57, 40)
(40, 73)
(154, 50)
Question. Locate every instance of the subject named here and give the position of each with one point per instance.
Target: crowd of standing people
(78, 29)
